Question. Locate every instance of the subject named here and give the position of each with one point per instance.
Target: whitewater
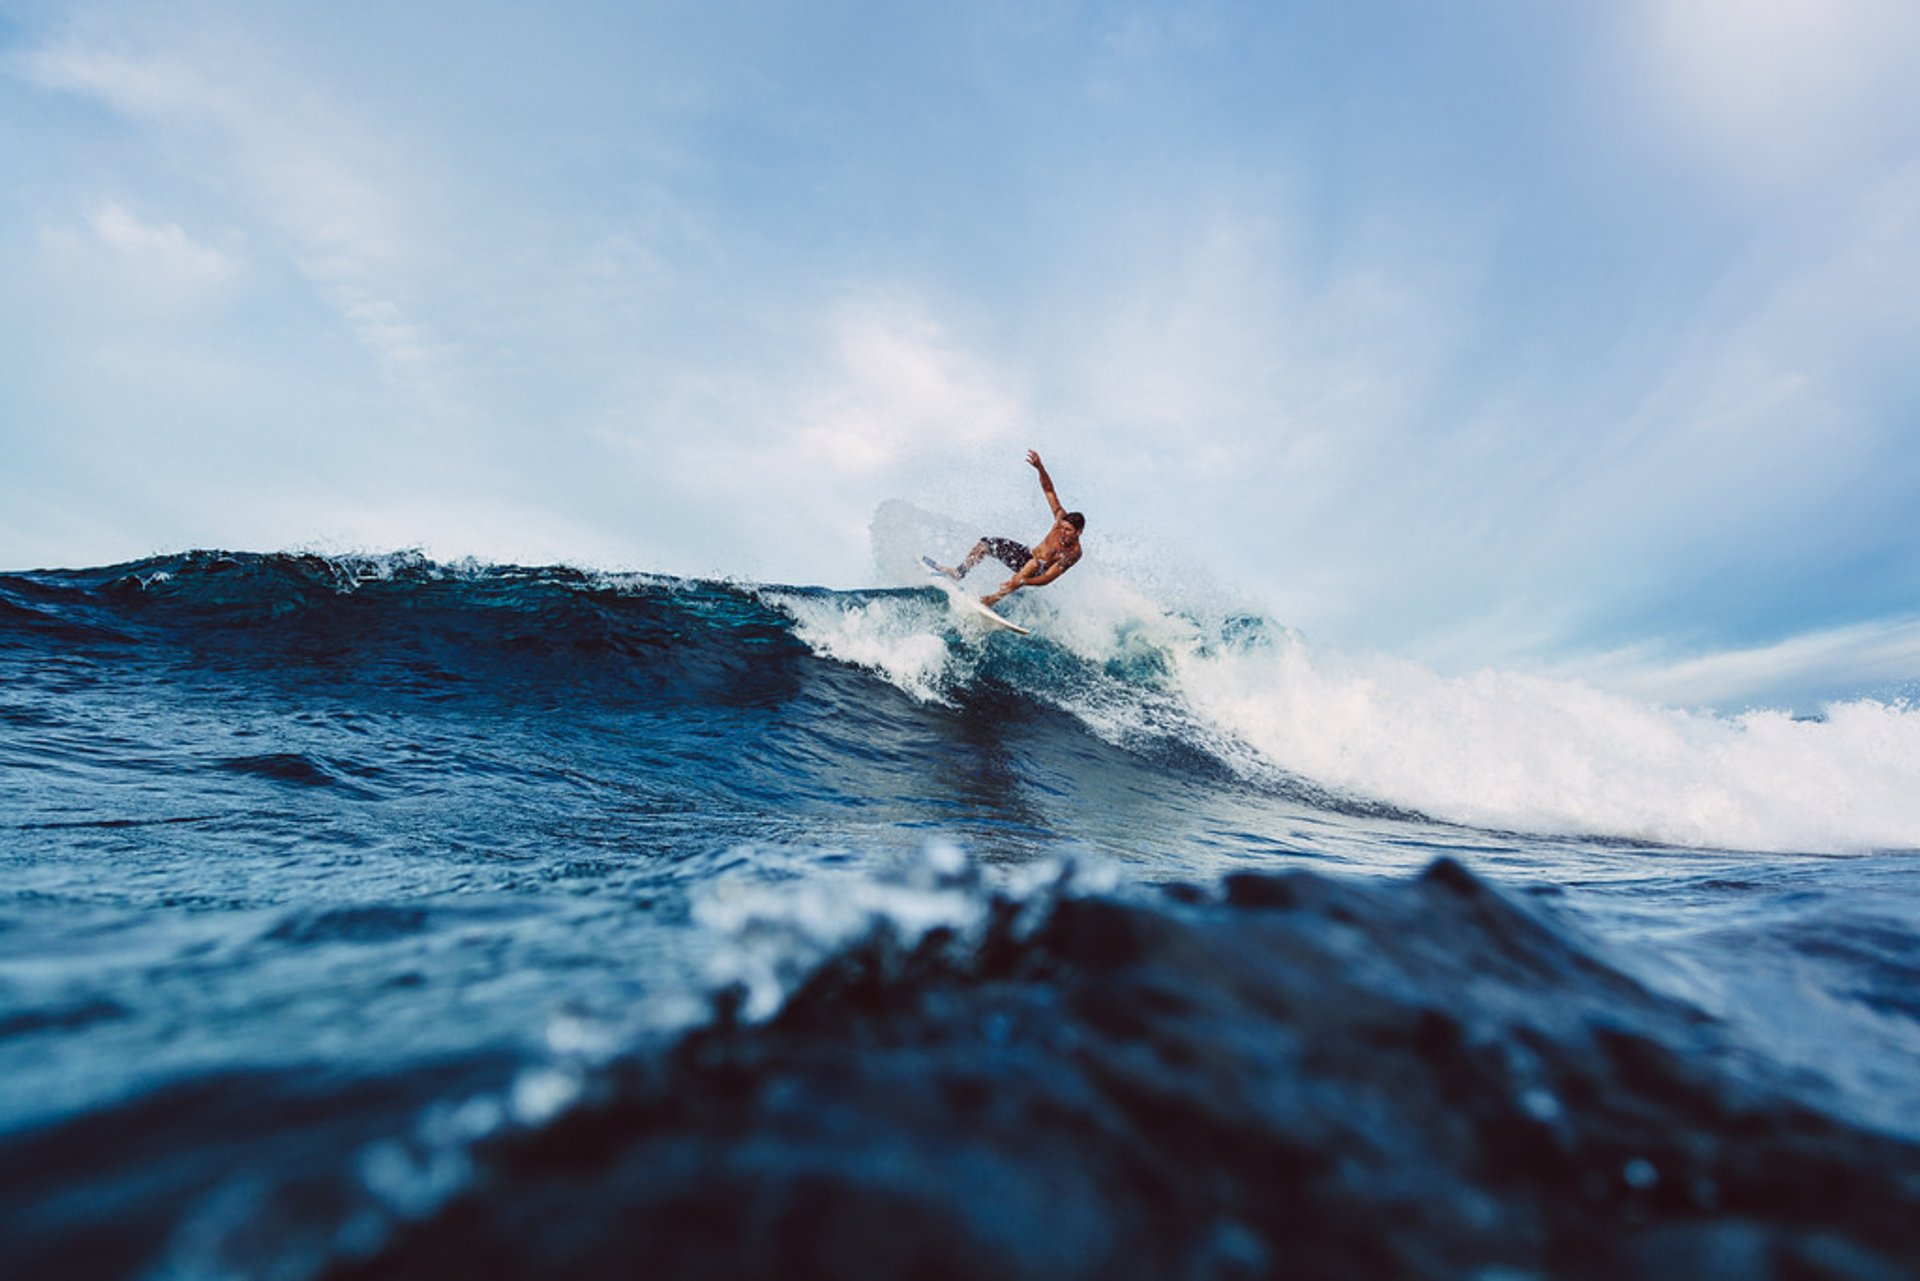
(366, 913)
(1492, 749)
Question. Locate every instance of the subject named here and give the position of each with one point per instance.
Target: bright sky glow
(1581, 336)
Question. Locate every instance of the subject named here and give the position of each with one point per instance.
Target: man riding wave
(1037, 566)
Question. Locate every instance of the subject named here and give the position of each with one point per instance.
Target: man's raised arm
(1046, 484)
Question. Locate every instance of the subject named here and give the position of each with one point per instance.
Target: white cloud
(386, 330)
(165, 243)
(898, 383)
(116, 268)
(1775, 87)
(878, 399)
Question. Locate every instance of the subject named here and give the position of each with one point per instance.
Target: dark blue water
(335, 893)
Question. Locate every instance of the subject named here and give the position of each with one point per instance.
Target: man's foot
(937, 568)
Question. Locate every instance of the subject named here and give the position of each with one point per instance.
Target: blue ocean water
(333, 888)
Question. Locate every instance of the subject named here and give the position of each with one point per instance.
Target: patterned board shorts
(1009, 553)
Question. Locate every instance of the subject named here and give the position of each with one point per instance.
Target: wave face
(324, 878)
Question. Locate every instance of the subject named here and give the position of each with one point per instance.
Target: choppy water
(340, 897)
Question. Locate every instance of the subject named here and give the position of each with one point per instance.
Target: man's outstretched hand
(1033, 459)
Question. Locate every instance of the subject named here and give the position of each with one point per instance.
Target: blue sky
(1578, 337)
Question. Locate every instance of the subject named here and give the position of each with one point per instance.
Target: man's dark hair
(1078, 521)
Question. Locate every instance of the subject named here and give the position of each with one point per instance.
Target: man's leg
(960, 571)
(979, 553)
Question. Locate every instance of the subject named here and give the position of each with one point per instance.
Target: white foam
(1502, 750)
(775, 933)
(775, 928)
(897, 638)
(1493, 749)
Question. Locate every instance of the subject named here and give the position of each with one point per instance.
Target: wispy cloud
(166, 244)
(123, 269)
(1803, 671)
(322, 183)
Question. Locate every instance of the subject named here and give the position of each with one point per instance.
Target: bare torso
(1060, 547)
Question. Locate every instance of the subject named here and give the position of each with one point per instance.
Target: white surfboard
(969, 604)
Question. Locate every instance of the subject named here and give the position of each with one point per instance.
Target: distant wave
(1492, 750)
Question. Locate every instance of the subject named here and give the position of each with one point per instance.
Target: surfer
(1032, 567)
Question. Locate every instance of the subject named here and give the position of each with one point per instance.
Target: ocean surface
(370, 916)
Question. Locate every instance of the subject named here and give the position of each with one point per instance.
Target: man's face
(1069, 536)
